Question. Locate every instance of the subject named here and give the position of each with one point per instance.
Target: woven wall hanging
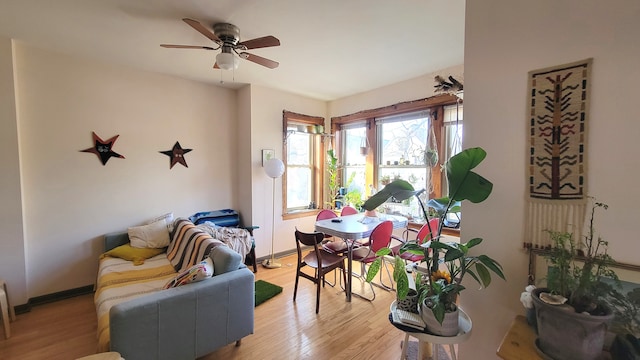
(557, 113)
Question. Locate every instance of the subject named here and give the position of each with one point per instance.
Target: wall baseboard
(45, 299)
(277, 255)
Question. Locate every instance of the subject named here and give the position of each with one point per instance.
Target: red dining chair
(321, 261)
(380, 237)
(336, 246)
(325, 214)
(348, 210)
(427, 232)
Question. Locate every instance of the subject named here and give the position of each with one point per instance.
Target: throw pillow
(154, 235)
(224, 259)
(137, 255)
(193, 274)
(168, 218)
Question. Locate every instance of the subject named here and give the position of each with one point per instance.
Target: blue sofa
(184, 322)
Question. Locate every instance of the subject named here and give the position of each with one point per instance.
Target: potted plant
(332, 171)
(443, 284)
(626, 344)
(573, 303)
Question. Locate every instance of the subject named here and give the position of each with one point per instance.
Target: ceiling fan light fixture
(227, 61)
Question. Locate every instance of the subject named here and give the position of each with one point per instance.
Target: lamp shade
(227, 61)
(274, 168)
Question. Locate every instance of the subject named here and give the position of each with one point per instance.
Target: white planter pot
(449, 326)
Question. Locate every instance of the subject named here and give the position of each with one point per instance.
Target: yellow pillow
(137, 255)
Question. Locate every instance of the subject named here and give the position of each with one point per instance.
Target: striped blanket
(119, 281)
(189, 245)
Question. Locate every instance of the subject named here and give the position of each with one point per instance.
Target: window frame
(434, 105)
(318, 144)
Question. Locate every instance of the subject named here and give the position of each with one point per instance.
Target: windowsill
(445, 230)
(300, 213)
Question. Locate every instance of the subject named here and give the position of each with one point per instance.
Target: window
(452, 129)
(303, 153)
(402, 143)
(399, 137)
(300, 171)
(354, 160)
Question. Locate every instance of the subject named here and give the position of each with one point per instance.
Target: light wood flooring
(283, 329)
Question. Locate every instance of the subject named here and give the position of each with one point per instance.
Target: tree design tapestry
(557, 114)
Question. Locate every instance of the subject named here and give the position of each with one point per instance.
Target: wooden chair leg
(318, 294)
(295, 288)
(4, 308)
(250, 259)
(238, 342)
(253, 257)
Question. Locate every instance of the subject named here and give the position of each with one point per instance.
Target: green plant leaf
(402, 286)
(373, 269)
(492, 265)
(383, 251)
(484, 275)
(465, 184)
(473, 242)
(399, 189)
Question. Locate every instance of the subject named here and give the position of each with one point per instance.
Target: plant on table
(353, 196)
(443, 283)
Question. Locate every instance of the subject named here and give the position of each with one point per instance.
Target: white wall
(267, 133)
(70, 198)
(504, 41)
(409, 90)
(12, 258)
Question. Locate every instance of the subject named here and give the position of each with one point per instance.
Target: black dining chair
(320, 260)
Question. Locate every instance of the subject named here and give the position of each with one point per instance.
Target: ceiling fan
(227, 37)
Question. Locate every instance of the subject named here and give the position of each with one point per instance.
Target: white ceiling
(329, 48)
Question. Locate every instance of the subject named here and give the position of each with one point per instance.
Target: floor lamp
(274, 169)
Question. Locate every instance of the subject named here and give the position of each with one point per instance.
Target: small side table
(464, 322)
(7, 312)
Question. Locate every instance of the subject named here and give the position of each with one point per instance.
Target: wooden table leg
(404, 345)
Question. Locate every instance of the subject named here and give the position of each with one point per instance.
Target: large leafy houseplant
(577, 269)
(332, 171)
(572, 315)
(443, 285)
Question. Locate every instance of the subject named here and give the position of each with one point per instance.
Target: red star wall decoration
(176, 155)
(103, 148)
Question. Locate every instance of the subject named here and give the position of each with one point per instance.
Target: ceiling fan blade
(259, 60)
(201, 29)
(186, 47)
(262, 42)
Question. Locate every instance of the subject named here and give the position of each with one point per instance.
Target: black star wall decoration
(103, 149)
(176, 155)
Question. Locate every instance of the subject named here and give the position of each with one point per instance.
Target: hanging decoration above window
(103, 149)
(176, 155)
(557, 157)
(450, 86)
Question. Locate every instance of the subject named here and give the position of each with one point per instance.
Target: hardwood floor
(283, 329)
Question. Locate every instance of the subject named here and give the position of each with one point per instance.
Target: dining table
(353, 227)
